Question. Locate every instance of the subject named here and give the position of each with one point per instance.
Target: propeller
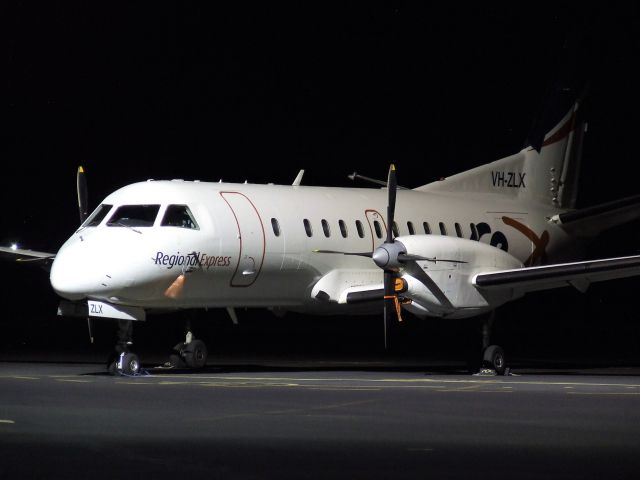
(83, 208)
(391, 256)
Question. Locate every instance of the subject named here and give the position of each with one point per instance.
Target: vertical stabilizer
(546, 175)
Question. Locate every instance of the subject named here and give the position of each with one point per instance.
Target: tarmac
(287, 417)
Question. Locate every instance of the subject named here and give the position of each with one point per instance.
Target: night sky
(246, 92)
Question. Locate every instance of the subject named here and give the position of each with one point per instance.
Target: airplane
(454, 248)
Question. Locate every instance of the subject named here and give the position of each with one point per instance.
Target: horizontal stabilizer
(591, 221)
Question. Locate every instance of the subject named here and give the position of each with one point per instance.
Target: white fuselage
(254, 244)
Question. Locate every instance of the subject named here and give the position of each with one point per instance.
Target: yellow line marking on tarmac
(10, 422)
(604, 393)
(346, 389)
(429, 380)
(123, 382)
(225, 417)
(20, 377)
(368, 383)
(332, 406)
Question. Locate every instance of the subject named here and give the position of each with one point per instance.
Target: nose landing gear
(123, 361)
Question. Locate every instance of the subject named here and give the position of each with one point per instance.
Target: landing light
(14, 246)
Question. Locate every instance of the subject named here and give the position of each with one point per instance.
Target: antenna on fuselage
(356, 176)
(298, 179)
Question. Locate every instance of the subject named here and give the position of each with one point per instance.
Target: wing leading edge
(577, 274)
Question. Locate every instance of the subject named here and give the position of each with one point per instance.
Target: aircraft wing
(577, 274)
(24, 255)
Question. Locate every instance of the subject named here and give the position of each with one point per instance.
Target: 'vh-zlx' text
(508, 179)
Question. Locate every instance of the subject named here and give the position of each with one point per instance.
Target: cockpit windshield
(97, 216)
(134, 216)
(179, 216)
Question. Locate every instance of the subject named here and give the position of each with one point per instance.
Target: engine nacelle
(452, 277)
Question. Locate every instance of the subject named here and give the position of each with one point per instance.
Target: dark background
(247, 92)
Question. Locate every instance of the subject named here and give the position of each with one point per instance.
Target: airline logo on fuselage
(193, 259)
(508, 179)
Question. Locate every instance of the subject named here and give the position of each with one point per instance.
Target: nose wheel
(123, 361)
(128, 364)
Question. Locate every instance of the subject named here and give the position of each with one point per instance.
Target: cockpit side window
(97, 216)
(179, 216)
(134, 216)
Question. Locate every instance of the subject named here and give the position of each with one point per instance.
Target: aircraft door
(251, 239)
(377, 226)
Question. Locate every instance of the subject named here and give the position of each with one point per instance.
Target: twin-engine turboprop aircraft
(455, 248)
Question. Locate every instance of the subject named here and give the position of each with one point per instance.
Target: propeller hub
(386, 255)
(381, 256)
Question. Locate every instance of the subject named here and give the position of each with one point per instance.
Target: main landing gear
(191, 353)
(493, 359)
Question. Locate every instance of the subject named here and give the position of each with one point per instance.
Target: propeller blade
(416, 271)
(389, 305)
(408, 257)
(360, 254)
(175, 289)
(81, 186)
(392, 185)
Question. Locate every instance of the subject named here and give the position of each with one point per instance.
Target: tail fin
(547, 175)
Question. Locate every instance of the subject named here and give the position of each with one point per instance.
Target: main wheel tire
(494, 358)
(195, 355)
(129, 364)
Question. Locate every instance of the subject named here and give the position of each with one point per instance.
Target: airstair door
(251, 239)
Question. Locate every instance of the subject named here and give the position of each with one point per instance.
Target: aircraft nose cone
(70, 276)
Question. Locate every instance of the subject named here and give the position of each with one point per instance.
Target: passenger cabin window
(458, 230)
(179, 216)
(343, 228)
(394, 227)
(276, 227)
(134, 216)
(443, 229)
(412, 231)
(378, 229)
(359, 228)
(474, 231)
(325, 228)
(307, 227)
(97, 216)
(427, 228)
